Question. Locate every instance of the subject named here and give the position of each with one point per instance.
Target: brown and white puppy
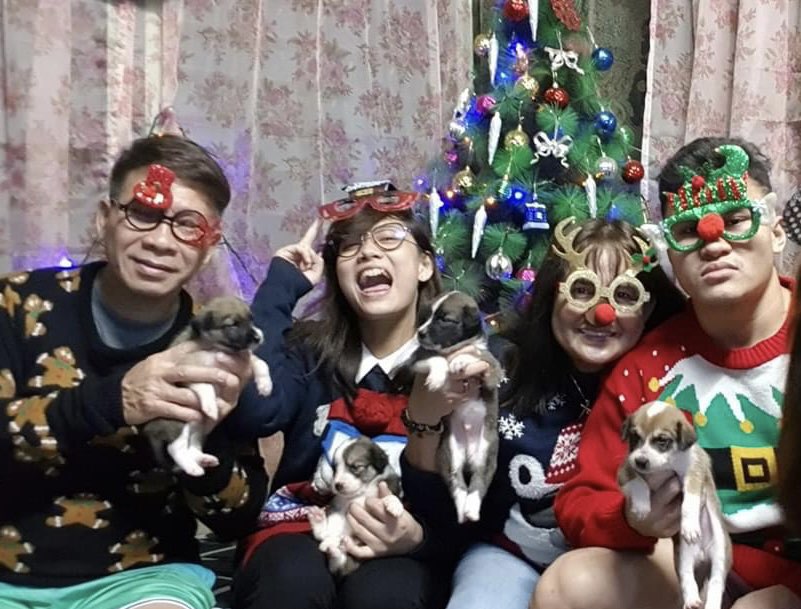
(663, 443)
(468, 453)
(224, 324)
(359, 465)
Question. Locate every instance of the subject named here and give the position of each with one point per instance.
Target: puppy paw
(436, 379)
(316, 515)
(693, 603)
(264, 385)
(330, 546)
(639, 510)
(393, 505)
(472, 507)
(459, 500)
(460, 363)
(691, 532)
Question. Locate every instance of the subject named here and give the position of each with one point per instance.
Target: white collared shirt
(388, 363)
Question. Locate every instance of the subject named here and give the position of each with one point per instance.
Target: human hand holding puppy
(376, 532)
(464, 381)
(664, 518)
(153, 387)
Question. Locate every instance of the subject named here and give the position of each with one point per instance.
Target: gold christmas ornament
(481, 45)
(528, 83)
(463, 180)
(516, 138)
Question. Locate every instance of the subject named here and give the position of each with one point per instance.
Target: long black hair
(542, 368)
(335, 337)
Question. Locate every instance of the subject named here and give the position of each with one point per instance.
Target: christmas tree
(532, 143)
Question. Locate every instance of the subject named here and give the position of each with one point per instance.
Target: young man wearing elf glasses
(88, 517)
(723, 362)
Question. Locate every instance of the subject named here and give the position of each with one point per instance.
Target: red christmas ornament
(557, 96)
(698, 182)
(633, 171)
(565, 11)
(526, 274)
(710, 227)
(515, 10)
(604, 314)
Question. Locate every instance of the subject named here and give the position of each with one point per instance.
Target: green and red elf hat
(706, 196)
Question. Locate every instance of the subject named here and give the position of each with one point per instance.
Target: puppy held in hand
(359, 465)
(224, 324)
(468, 453)
(661, 444)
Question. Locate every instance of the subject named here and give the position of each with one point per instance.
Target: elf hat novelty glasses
(713, 204)
(380, 196)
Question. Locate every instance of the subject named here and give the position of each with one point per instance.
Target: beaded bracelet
(420, 429)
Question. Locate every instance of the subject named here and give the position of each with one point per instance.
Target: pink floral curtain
(726, 67)
(295, 97)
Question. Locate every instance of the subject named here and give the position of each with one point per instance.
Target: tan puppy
(663, 443)
(224, 324)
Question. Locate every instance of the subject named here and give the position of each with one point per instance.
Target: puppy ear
(197, 325)
(685, 435)
(378, 458)
(394, 484)
(471, 320)
(625, 431)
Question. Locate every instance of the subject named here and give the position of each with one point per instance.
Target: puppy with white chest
(224, 324)
(468, 453)
(359, 465)
(662, 443)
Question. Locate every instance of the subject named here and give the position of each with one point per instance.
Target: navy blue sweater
(536, 455)
(81, 495)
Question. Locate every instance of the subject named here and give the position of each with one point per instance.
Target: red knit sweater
(734, 398)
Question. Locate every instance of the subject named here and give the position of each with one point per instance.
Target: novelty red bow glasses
(385, 202)
(152, 196)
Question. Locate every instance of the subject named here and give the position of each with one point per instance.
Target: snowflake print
(510, 428)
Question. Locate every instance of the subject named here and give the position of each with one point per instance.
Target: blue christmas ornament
(602, 58)
(536, 216)
(605, 124)
(440, 262)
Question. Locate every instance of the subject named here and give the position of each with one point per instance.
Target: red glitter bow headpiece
(154, 191)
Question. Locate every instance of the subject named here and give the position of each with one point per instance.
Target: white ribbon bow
(557, 148)
(560, 57)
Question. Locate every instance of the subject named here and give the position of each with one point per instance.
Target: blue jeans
(489, 576)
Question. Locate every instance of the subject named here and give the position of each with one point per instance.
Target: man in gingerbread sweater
(89, 517)
(723, 361)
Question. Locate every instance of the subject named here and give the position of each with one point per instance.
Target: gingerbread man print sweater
(81, 496)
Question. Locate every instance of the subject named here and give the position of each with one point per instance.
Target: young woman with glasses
(335, 379)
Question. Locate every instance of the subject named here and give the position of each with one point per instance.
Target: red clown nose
(710, 227)
(604, 314)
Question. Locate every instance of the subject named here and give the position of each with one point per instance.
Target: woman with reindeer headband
(595, 293)
(335, 380)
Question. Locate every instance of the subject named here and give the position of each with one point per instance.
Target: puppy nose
(338, 486)
(641, 463)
